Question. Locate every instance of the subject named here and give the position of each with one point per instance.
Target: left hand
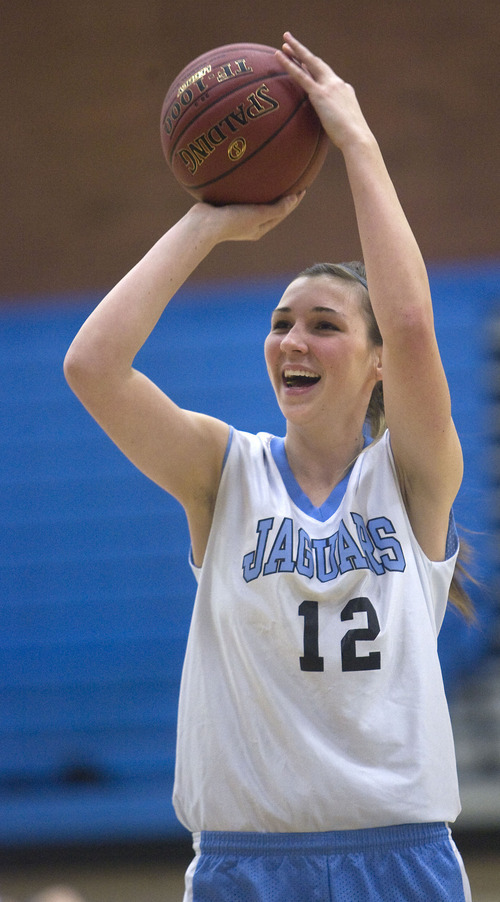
(333, 99)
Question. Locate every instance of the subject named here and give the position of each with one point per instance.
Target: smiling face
(319, 357)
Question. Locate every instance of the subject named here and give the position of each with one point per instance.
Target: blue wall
(95, 586)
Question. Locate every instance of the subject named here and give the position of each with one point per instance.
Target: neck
(319, 463)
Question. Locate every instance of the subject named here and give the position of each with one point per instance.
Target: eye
(326, 326)
(280, 325)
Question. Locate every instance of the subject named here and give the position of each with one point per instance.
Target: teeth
(296, 378)
(288, 374)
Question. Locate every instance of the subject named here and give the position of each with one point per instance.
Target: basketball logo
(236, 149)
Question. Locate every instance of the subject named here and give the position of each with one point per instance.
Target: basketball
(236, 128)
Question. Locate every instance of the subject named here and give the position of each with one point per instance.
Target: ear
(378, 362)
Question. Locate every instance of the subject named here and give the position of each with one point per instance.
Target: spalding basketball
(236, 128)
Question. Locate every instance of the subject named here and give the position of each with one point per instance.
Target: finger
(304, 57)
(289, 201)
(281, 208)
(296, 69)
(292, 47)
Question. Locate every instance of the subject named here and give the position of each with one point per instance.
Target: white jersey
(312, 696)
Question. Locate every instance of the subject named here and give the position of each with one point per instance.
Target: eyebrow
(314, 310)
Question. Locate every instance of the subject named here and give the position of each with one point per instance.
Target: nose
(294, 340)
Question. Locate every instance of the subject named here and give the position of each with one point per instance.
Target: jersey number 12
(311, 659)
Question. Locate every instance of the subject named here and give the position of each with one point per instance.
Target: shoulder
(247, 445)
(374, 478)
(375, 455)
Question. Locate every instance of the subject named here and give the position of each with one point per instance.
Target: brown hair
(355, 272)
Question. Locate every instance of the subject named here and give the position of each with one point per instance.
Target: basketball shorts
(408, 863)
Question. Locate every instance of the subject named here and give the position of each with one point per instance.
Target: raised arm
(180, 450)
(417, 401)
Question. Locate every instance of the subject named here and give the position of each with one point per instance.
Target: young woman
(315, 757)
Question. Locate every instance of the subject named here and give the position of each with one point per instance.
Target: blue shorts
(408, 863)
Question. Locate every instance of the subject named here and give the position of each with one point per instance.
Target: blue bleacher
(96, 591)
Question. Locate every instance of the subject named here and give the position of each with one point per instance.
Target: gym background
(96, 591)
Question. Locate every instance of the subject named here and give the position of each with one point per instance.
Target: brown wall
(85, 188)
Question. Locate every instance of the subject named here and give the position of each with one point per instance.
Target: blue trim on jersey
(322, 513)
(452, 541)
(228, 446)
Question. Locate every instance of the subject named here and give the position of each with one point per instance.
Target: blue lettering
(375, 547)
(305, 563)
(252, 562)
(366, 544)
(320, 546)
(382, 531)
(350, 557)
(281, 558)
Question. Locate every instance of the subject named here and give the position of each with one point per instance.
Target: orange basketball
(235, 128)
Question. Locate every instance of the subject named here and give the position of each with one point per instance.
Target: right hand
(246, 222)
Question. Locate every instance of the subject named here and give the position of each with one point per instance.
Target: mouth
(299, 378)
